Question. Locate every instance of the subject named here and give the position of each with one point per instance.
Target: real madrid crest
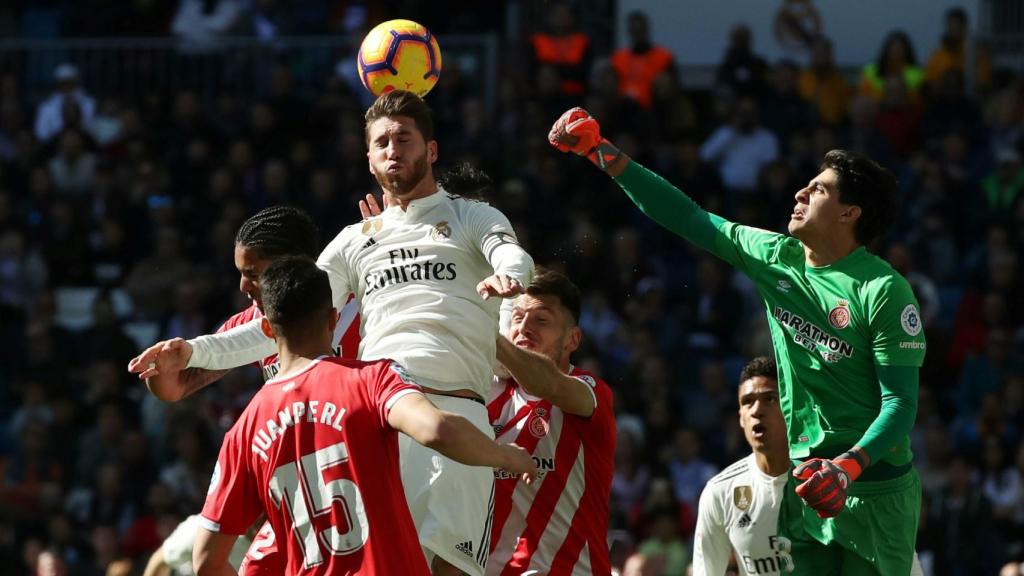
(372, 226)
(741, 497)
(839, 316)
(441, 231)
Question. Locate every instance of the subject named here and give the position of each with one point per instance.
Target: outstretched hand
(501, 285)
(164, 357)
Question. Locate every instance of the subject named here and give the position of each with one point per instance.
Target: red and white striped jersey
(559, 525)
(346, 333)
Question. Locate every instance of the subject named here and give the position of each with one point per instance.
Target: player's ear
(431, 151)
(850, 213)
(574, 339)
(268, 330)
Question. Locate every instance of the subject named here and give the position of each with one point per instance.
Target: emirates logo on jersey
(839, 317)
(538, 426)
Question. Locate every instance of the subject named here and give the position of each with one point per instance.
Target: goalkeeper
(848, 341)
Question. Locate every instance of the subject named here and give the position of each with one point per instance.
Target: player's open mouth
(798, 214)
(758, 430)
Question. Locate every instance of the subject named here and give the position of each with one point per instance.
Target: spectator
(689, 470)
(200, 24)
(954, 49)
(563, 48)
(896, 59)
(68, 101)
(784, 111)
(73, 169)
(962, 516)
(639, 64)
(741, 148)
(823, 85)
(152, 281)
(742, 70)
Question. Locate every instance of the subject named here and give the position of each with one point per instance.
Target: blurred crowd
(117, 220)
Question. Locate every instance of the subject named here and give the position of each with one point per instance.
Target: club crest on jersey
(839, 317)
(372, 226)
(538, 426)
(741, 497)
(911, 320)
(441, 231)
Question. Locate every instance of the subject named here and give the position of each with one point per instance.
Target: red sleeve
(603, 418)
(232, 502)
(393, 382)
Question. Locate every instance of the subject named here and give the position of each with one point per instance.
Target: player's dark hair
(863, 182)
(401, 103)
(762, 366)
(296, 294)
(279, 231)
(547, 282)
(466, 181)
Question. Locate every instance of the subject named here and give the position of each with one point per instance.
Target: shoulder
(589, 378)
(881, 280)
(240, 318)
(726, 477)
(362, 228)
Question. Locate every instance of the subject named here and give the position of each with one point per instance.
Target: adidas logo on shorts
(466, 548)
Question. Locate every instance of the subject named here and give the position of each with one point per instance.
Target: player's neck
(772, 462)
(294, 356)
(426, 187)
(826, 251)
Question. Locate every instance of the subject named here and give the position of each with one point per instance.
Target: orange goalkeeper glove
(577, 131)
(826, 482)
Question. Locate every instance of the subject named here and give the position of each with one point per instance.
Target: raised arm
(455, 437)
(539, 376)
(576, 131)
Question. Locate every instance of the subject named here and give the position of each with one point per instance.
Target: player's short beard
(400, 185)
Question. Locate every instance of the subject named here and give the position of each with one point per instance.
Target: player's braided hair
(466, 181)
(863, 182)
(279, 231)
(762, 366)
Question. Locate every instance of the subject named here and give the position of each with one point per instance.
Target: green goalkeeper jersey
(831, 326)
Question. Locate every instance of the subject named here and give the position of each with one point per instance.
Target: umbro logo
(783, 286)
(466, 548)
(744, 520)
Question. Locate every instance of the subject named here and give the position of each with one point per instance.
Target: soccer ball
(399, 55)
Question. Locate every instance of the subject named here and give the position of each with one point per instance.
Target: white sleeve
(497, 241)
(333, 261)
(178, 546)
(241, 345)
(711, 545)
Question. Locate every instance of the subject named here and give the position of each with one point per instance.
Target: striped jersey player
(563, 416)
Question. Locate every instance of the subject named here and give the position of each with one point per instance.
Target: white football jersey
(414, 273)
(739, 510)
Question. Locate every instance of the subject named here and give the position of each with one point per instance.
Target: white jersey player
(416, 270)
(739, 507)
